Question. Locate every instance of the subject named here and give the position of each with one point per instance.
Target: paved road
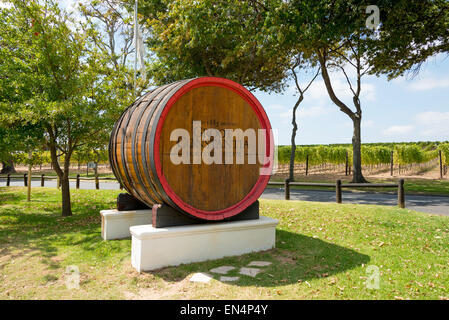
(430, 204)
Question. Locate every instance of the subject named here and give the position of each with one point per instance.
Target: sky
(403, 109)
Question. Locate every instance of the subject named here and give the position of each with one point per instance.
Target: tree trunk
(8, 167)
(65, 189)
(356, 117)
(357, 176)
(30, 155)
(291, 175)
(63, 175)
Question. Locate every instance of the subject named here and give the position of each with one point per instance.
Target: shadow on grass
(10, 196)
(296, 258)
(38, 229)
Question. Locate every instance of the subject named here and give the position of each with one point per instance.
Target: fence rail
(286, 184)
(339, 186)
(43, 177)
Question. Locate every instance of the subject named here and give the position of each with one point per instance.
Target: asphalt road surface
(429, 204)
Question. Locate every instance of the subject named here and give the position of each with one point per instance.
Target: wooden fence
(286, 184)
(42, 178)
(339, 186)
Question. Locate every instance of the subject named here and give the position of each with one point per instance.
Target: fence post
(8, 179)
(42, 180)
(307, 164)
(401, 193)
(25, 180)
(346, 164)
(287, 189)
(391, 163)
(338, 191)
(77, 181)
(441, 164)
(97, 183)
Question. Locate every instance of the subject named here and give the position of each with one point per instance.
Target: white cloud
(275, 107)
(307, 112)
(433, 124)
(429, 125)
(313, 112)
(429, 84)
(318, 92)
(397, 130)
(285, 114)
(432, 118)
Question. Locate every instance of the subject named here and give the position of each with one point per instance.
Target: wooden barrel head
(209, 187)
(142, 147)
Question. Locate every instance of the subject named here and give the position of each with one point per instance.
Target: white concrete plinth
(115, 224)
(154, 248)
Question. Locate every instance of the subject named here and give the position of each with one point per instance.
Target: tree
(298, 65)
(15, 135)
(63, 89)
(245, 43)
(334, 35)
(410, 32)
(346, 59)
(10, 137)
(110, 27)
(213, 38)
(8, 142)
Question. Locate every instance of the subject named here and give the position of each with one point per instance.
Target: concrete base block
(154, 248)
(115, 224)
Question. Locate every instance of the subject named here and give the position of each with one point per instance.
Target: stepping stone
(225, 279)
(259, 264)
(252, 272)
(200, 277)
(222, 269)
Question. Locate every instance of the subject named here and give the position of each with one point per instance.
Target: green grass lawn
(323, 251)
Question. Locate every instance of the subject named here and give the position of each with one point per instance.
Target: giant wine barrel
(141, 146)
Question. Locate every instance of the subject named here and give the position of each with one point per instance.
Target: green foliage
(317, 154)
(411, 31)
(372, 154)
(37, 158)
(444, 147)
(59, 82)
(85, 154)
(223, 38)
(409, 154)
